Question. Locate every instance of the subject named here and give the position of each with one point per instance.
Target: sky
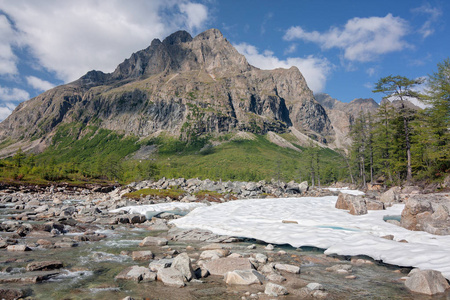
(341, 47)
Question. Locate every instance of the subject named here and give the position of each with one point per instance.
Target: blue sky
(341, 47)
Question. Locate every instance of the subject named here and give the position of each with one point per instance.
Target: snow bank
(171, 206)
(321, 225)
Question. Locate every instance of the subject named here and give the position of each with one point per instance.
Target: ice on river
(321, 225)
(160, 207)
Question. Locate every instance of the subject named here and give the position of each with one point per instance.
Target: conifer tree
(401, 88)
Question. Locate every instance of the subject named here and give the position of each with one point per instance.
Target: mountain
(343, 114)
(184, 87)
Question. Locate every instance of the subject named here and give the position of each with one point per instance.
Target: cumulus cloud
(361, 39)
(433, 14)
(39, 84)
(291, 49)
(314, 69)
(7, 57)
(13, 94)
(195, 15)
(5, 110)
(74, 36)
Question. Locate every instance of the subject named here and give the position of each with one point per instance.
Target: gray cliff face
(343, 114)
(183, 86)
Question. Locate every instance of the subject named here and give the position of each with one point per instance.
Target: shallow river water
(90, 268)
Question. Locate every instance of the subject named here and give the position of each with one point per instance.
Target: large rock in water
(357, 205)
(244, 277)
(183, 264)
(223, 265)
(428, 213)
(427, 282)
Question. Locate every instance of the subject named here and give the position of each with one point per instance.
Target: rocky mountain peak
(183, 86)
(178, 37)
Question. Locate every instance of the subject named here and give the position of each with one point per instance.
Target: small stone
(18, 248)
(142, 255)
(252, 246)
(44, 265)
(288, 268)
(275, 290)
(269, 247)
(313, 286)
(153, 241)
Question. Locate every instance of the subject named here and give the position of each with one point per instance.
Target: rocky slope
(342, 115)
(183, 86)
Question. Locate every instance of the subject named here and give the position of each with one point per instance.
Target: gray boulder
(153, 241)
(275, 290)
(223, 265)
(244, 277)
(427, 282)
(171, 277)
(183, 264)
(428, 213)
(137, 273)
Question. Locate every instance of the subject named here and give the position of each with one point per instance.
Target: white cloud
(362, 39)
(195, 15)
(74, 36)
(291, 49)
(371, 71)
(13, 94)
(39, 84)
(7, 57)
(5, 110)
(315, 70)
(433, 15)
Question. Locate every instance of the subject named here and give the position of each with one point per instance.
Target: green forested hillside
(85, 153)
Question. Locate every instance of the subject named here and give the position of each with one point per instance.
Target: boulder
(137, 273)
(153, 241)
(275, 290)
(18, 248)
(223, 265)
(303, 186)
(391, 196)
(8, 293)
(44, 265)
(355, 204)
(288, 268)
(428, 213)
(427, 282)
(142, 255)
(214, 254)
(156, 265)
(171, 277)
(340, 269)
(244, 277)
(183, 264)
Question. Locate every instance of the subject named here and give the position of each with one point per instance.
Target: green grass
(80, 153)
(156, 193)
(249, 160)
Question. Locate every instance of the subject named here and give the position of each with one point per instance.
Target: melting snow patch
(321, 225)
(143, 209)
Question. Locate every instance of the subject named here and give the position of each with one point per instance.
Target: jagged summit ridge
(183, 86)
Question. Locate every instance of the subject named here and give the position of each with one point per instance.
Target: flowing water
(90, 268)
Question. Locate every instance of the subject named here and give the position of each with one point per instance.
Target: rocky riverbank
(68, 240)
